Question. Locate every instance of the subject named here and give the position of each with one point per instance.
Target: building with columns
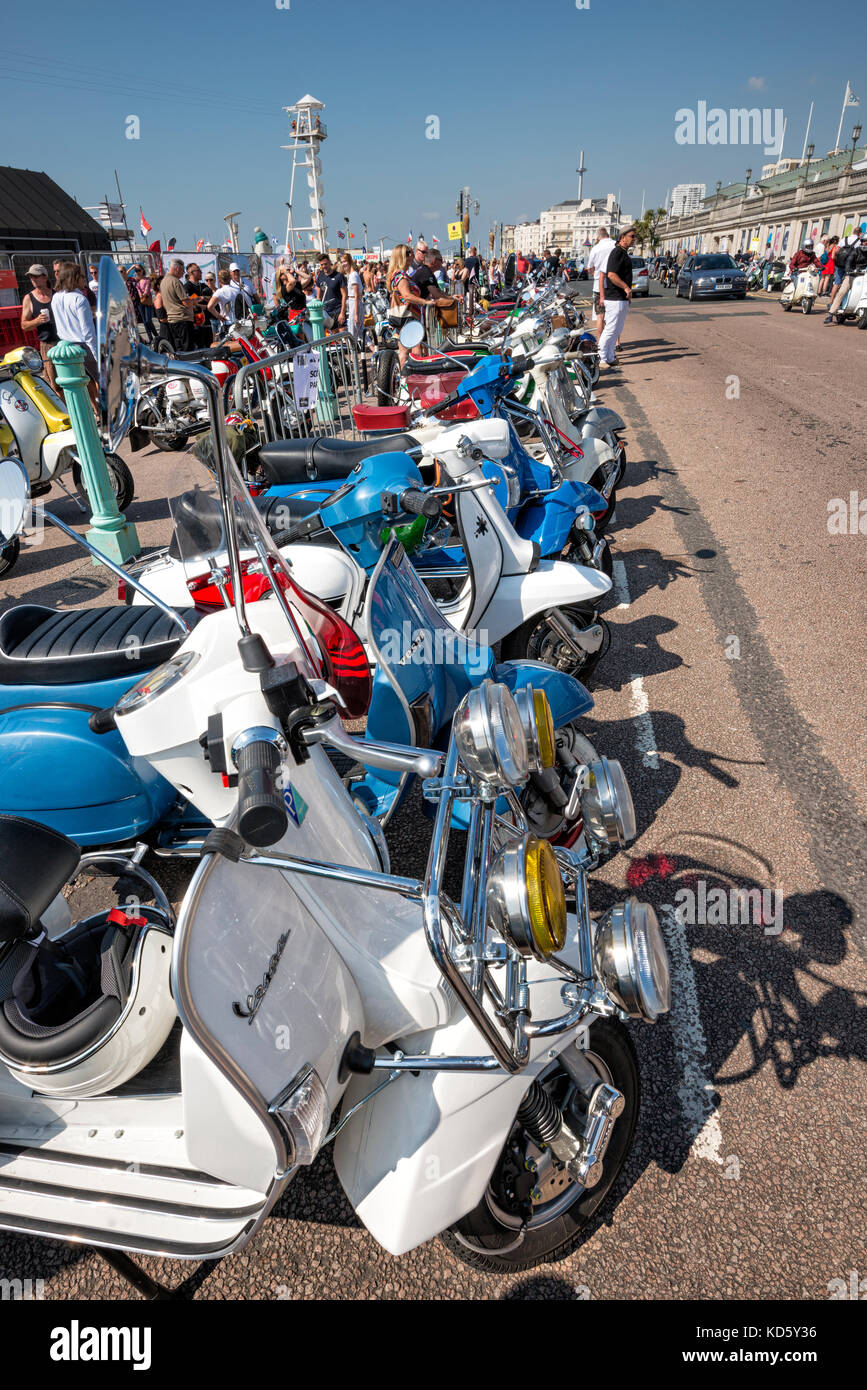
(819, 198)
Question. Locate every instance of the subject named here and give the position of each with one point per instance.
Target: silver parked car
(640, 276)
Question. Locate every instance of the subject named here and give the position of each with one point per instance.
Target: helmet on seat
(84, 1008)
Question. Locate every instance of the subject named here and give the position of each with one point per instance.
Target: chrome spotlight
(526, 900)
(631, 960)
(606, 804)
(490, 736)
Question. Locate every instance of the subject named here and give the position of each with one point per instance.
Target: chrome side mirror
(411, 334)
(118, 348)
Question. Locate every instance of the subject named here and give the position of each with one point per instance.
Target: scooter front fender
(554, 584)
(419, 1156)
(602, 421)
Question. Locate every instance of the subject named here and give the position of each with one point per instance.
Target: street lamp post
(810, 151)
(749, 174)
(856, 136)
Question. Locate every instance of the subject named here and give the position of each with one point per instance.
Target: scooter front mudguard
(419, 1156)
(58, 772)
(549, 520)
(600, 421)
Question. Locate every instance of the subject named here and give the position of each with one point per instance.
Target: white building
(571, 225)
(523, 236)
(687, 198)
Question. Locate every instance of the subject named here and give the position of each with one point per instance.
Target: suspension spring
(540, 1115)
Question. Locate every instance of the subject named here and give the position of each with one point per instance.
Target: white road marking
(695, 1091)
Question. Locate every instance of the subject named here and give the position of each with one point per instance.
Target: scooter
(854, 306)
(485, 1031)
(35, 427)
(800, 291)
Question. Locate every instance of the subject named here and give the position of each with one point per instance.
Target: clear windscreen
(201, 546)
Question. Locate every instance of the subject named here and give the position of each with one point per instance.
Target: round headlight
(526, 900)
(490, 736)
(606, 804)
(538, 724)
(632, 961)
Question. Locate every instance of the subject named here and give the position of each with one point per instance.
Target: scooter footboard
(419, 1156)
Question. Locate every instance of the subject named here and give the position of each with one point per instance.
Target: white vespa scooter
(801, 291)
(483, 1033)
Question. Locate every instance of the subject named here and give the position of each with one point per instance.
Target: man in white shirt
(596, 263)
(243, 282)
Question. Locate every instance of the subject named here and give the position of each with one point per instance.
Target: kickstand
(72, 495)
(149, 1289)
(135, 1275)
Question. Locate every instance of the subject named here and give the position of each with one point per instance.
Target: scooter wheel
(806, 306)
(8, 555)
(534, 640)
(509, 1230)
(862, 319)
(122, 483)
(387, 377)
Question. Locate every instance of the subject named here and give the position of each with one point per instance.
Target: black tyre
(8, 555)
(787, 307)
(692, 292)
(806, 306)
(598, 481)
(536, 641)
(122, 483)
(150, 416)
(387, 377)
(550, 1227)
(862, 319)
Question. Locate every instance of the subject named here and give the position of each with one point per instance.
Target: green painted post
(109, 532)
(326, 405)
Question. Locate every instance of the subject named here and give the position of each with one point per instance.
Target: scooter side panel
(419, 1155)
(58, 772)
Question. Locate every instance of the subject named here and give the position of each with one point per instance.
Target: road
(733, 694)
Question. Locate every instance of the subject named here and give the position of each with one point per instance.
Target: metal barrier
(307, 390)
(434, 332)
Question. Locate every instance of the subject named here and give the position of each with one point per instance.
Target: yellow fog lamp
(526, 900)
(491, 737)
(538, 722)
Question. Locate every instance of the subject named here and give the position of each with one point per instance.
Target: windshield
(332, 648)
(714, 263)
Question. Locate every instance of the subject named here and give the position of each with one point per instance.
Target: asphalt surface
(733, 694)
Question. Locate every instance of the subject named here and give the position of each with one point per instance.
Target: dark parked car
(714, 273)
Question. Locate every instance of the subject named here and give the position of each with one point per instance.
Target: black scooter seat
(322, 459)
(35, 862)
(44, 646)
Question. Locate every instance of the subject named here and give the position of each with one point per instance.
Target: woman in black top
(288, 292)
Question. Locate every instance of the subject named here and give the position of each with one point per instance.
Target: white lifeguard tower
(307, 131)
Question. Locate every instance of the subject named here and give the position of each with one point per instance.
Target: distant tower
(307, 131)
(580, 171)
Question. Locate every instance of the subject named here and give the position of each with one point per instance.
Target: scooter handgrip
(102, 721)
(446, 401)
(262, 815)
(419, 503)
(520, 365)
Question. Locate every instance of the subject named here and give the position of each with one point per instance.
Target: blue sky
(518, 88)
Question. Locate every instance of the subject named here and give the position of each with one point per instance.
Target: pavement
(733, 695)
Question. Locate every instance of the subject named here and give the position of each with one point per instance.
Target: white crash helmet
(82, 1008)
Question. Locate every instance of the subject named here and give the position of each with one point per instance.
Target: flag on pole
(851, 99)
(409, 238)
(435, 240)
(145, 225)
(171, 245)
(200, 243)
(340, 234)
(351, 236)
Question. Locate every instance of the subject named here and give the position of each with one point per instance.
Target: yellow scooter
(34, 427)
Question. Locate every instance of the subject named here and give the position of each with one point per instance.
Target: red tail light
(346, 666)
(121, 590)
